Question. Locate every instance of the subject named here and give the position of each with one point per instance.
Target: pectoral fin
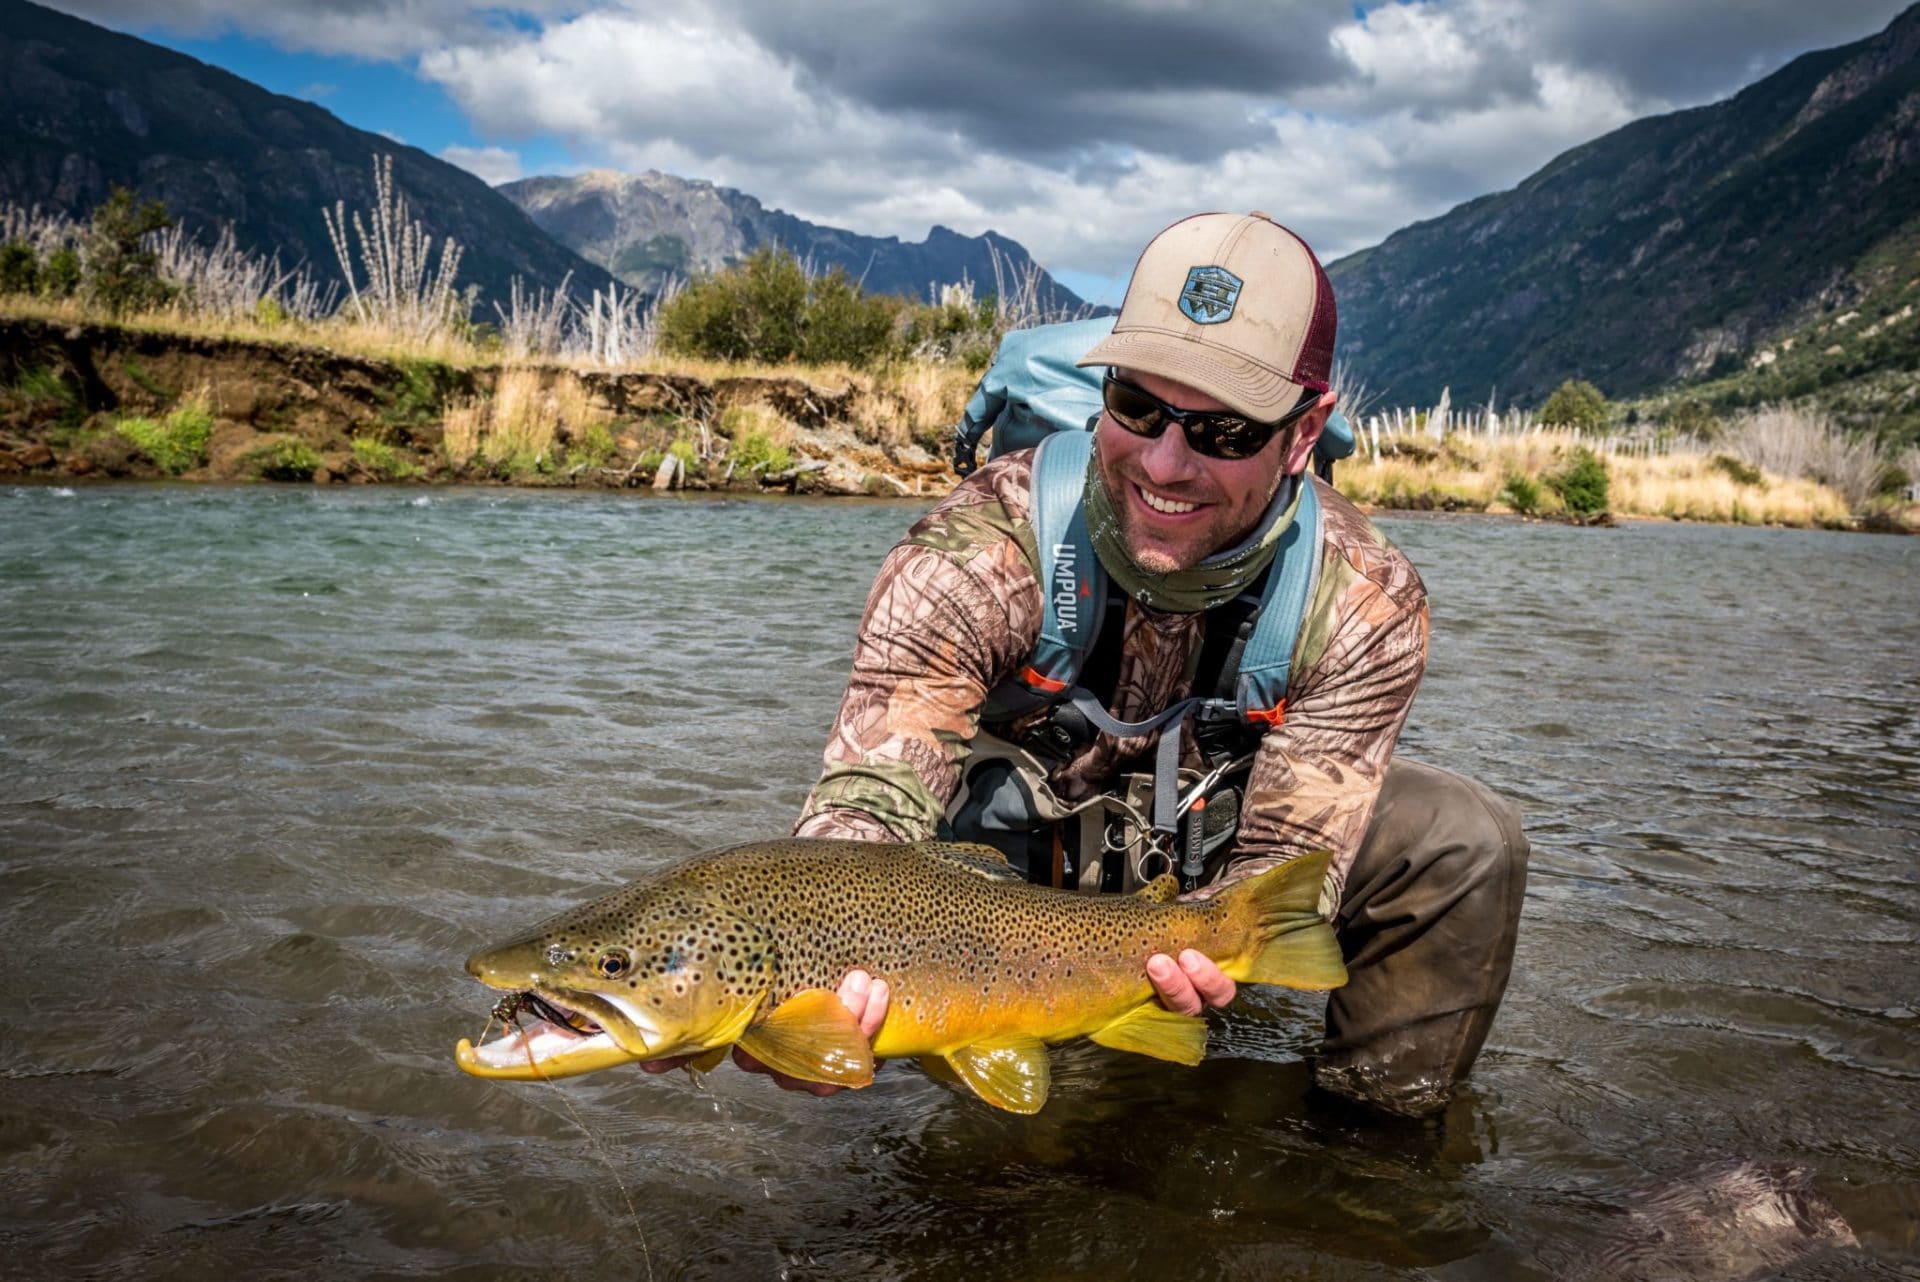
(813, 1036)
(1007, 1072)
(708, 1062)
(1156, 1031)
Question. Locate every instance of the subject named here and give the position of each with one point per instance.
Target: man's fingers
(1215, 987)
(1176, 990)
(878, 995)
(664, 1065)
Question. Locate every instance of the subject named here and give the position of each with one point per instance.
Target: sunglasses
(1214, 433)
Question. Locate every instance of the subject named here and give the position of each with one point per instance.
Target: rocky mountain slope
(647, 228)
(1673, 248)
(83, 109)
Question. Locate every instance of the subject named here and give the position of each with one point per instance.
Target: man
(1218, 387)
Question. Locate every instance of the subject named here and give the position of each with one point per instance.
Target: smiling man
(997, 696)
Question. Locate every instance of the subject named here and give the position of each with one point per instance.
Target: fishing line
(600, 1149)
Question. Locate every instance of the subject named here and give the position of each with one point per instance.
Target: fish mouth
(566, 1036)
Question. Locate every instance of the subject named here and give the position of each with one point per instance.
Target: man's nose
(1168, 458)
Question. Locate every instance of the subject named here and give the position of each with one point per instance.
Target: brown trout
(746, 945)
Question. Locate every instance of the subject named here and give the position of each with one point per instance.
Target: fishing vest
(1171, 819)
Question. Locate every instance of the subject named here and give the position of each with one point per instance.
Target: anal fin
(1007, 1072)
(1156, 1031)
(813, 1036)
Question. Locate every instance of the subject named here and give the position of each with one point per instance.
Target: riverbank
(83, 399)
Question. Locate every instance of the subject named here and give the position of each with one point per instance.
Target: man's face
(1176, 507)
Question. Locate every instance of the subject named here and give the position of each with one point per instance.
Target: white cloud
(1078, 127)
(492, 165)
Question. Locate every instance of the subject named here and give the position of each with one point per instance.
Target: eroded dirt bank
(80, 400)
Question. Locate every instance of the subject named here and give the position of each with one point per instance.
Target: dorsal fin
(1163, 889)
(982, 860)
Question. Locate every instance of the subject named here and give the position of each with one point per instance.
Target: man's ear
(1306, 432)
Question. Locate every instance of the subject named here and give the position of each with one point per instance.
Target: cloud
(492, 165)
(1078, 127)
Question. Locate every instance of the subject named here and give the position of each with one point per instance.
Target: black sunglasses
(1214, 433)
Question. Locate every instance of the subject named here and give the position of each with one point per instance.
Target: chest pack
(1005, 797)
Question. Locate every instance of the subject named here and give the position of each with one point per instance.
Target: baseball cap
(1233, 305)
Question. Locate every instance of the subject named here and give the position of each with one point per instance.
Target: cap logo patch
(1209, 295)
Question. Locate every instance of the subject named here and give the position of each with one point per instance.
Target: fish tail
(1274, 917)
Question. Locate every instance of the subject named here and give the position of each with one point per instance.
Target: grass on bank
(1513, 474)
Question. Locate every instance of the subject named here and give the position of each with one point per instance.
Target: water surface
(273, 761)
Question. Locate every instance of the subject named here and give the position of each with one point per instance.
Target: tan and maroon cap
(1233, 305)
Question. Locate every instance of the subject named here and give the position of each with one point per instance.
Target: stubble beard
(1209, 539)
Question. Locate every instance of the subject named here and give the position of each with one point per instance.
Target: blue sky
(887, 116)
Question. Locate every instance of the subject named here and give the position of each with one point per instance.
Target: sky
(1078, 128)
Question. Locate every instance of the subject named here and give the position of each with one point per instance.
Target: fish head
(648, 972)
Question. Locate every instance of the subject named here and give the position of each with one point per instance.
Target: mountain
(83, 109)
(1670, 249)
(647, 228)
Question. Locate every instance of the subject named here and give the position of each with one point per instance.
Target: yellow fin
(1154, 1030)
(1287, 941)
(940, 1071)
(707, 1062)
(813, 1036)
(1163, 889)
(1007, 1072)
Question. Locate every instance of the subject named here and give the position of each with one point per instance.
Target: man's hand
(864, 995)
(1190, 985)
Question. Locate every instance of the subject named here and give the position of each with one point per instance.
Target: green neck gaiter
(1214, 581)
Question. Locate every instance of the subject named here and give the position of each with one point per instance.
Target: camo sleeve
(1317, 775)
(955, 609)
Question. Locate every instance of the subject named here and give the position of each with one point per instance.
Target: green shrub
(591, 447)
(766, 308)
(175, 443)
(270, 313)
(845, 325)
(756, 452)
(1575, 403)
(122, 274)
(1521, 493)
(1742, 473)
(683, 450)
(60, 274)
(1581, 484)
(19, 268)
(749, 311)
(383, 460)
(292, 460)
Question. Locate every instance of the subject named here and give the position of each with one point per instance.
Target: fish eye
(614, 963)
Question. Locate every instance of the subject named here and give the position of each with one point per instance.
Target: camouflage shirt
(956, 610)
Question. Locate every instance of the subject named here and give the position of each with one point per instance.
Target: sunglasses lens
(1224, 436)
(1209, 432)
(1133, 409)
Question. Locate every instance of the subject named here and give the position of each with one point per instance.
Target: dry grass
(1470, 474)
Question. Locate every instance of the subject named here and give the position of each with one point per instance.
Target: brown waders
(1426, 925)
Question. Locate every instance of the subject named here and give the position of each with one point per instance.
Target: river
(272, 761)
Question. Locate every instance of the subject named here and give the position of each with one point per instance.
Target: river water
(272, 761)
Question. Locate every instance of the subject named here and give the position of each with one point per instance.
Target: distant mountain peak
(650, 227)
